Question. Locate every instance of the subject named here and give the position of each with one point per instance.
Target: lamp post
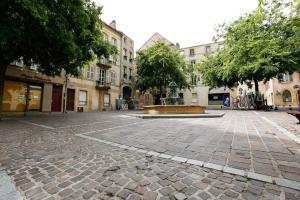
(297, 88)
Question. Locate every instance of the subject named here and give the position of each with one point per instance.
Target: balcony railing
(105, 63)
(103, 84)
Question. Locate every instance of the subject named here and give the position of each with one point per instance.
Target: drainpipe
(65, 93)
(121, 64)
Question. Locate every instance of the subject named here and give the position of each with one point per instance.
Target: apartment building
(282, 92)
(100, 84)
(200, 94)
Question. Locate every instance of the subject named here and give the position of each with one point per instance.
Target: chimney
(113, 24)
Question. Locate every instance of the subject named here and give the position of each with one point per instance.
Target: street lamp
(297, 88)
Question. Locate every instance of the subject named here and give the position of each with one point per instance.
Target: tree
(157, 66)
(257, 47)
(56, 34)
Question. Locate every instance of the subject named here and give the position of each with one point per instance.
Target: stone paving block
(179, 159)
(287, 183)
(260, 177)
(195, 162)
(234, 171)
(213, 166)
(165, 156)
(153, 153)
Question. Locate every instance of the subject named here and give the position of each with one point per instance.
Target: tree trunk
(256, 87)
(3, 68)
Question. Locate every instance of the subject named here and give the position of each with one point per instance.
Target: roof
(155, 37)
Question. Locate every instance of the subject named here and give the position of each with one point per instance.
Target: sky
(188, 22)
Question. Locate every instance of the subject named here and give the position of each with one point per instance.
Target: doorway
(56, 98)
(70, 99)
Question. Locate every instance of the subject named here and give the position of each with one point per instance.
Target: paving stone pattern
(53, 163)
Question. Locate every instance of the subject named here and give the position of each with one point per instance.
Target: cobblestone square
(111, 155)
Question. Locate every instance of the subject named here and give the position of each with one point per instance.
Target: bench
(295, 114)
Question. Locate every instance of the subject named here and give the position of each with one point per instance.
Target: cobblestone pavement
(46, 160)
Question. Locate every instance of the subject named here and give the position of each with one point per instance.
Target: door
(70, 99)
(35, 94)
(56, 98)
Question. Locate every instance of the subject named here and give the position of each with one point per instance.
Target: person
(226, 103)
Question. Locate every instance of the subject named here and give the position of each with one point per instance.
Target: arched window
(287, 96)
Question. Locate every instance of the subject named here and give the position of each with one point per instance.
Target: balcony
(105, 63)
(103, 85)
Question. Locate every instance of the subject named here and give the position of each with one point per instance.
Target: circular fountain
(173, 105)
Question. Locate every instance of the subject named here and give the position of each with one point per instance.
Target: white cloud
(189, 22)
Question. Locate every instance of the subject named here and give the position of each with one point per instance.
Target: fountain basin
(174, 109)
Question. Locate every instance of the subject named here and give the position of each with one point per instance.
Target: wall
(47, 97)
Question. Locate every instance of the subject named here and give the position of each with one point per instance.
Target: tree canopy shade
(56, 34)
(257, 47)
(157, 66)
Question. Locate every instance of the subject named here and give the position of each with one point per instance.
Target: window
(90, 72)
(82, 97)
(105, 36)
(97, 73)
(285, 77)
(130, 56)
(193, 62)
(114, 41)
(192, 52)
(125, 72)
(125, 40)
(107, 78)
(112, 77)
(207, 49)
(194, 97)
(101, 76)
(286, 95)
(125, 53)
(130, 73)
(220, 47)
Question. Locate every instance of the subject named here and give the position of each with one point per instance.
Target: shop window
(287, 96)
(14, 96)
(82, 97)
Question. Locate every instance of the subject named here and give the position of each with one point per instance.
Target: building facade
(282, 92)
(101, 83)
(25, 89)
(200, 94)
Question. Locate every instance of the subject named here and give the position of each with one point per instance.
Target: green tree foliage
(159, 65)
(257, 47)
(56, 34)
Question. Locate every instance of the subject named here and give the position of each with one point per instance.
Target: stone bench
(295, 114)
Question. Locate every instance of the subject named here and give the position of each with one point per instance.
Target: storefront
(219, 99)
(21, 96)
(28, 90)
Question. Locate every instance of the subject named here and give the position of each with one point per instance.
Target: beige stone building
(104, 80)
(281, 93)
(101, 83)
(200, 94)
(25, 90)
